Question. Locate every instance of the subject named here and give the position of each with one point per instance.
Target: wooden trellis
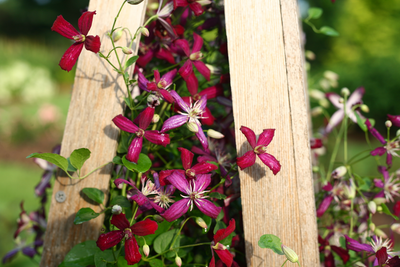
(267, 80)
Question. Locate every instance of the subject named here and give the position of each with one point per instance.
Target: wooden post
(265, 60)
(96, 98)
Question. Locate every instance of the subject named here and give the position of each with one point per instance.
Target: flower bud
(395, 228)
(359, 264)
(290, 254)
(116, 209)
(134, 2)
(192, 126)
(214, 134)
(316, 111)
(388, 124)
(350, 190)
(379, 209)
(341, 100)
(178, 261)
(316, 94)
(200, 222)
(330, 75)
(117, 35)
(213, 69)
(345, 91)
(310, 55)
(127, 50)
(144, 31)
(323, 103)
(315, 169)
(398, 133)
(379, 200)
(364, 108)
(158, 218)
(372, 207)
(155, 118)
(339, 172)
(380, 233)
(146, 250)
(372, 227)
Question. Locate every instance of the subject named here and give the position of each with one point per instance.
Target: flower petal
(186, 69)
(64, 28)
(70, 56)
(169, 77)
(208, 208)
(178, 180)
(192, 83)
(166, 55)
(203, 69)
(336, 118)
(92, 43)
(395, 119)
(166, 95)
(382, 256)
(378, 151)
(10, 255)
(356, 97)
(378, 183)
(196, 8)
(85, 22)
(384, 171)
(186, 157)
(250, 135)
(176, 210)
(213, 91)
(344, 254)
(125, 124)
(247, 160)
(266, 137)
(374, 132)
(167, 26)
(144, 59)
(44, 183)
(132, 254)
(134, 149)
(202, 181)
(271, 162)
(184, 107)
(225, 256)
(146, 227)
(203, 167)
(389, 159)
(137, 196)
(208, 118)
(120, 221)
(184, 45)
(110, 239)
(197, 43)
(335, 100)
(145, 117)
(118, 183)
(224, 233)
(356, 246)
(174, 122)
(202, 137)
(142, 81)
(324, 205)
(157, 138)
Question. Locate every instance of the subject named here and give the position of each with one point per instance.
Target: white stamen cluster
(193, 194)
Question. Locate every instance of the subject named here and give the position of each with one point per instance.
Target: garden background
(35, 92)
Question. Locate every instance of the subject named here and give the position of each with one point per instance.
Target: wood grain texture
(265, 60)
(97, 97)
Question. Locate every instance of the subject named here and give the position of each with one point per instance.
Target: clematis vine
(91, 43)
(153, 136)
(338, 116)
(390, 185)
(194, 191)
(259, 149)
(221, 250)
(111, 239)
(159, 86)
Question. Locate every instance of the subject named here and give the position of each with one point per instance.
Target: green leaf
(70, 167)
(102, 257)
(372, 121)
(217, 195)
(155, 263)
(79, 156)
(219, 225)
(386, 210)
(143, 164)
(361, 122)
(162, 228)
(81, 254)
(84, 215)
(94, 194)
(131, 61)
(328, 31)
(210, 35)
(120, 200)
(163, 241)
(272, 242)
(314, 13)
(123, 263)
(123, 142)
(128, 103)
(342, 241)
(220, 215)
(56, 159)
(117, 160)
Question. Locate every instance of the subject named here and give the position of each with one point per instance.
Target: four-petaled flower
(159, 86)
(81, 38)
(390, 185)
(153, 136)
(260, 149)
(221, 250)
(194, 190)
(110, 239)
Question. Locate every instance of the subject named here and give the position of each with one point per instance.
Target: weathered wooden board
(96, 98)
(266, 68)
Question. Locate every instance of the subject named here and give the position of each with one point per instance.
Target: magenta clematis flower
(186, 71)
(381, 249)
(327, 249)
(194, 190)
(190, 115)
(154, 137)
(221, 250)
(49, 168)
(194, 5)
(189, 170)
(91, 43)
(260, 149)
(389, 147)
(390, 185)
(337, 117)
(395, 119)
(159, 86)
(110, 239)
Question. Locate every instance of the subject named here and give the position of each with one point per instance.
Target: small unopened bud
(350, 190)
(290, 254)
(395, 228)
(134, 2)
(213, 69)
(144, 31)
(364, 108)
(330, 75)
(146, 250)
(372, 207)
(315, 169)
(127, 50)
(192, 126)
(398, 133)
(158, 218)
(372, 227)
(325, 84)
(316, 94)
(380, 233)
(116, 209)
(178, 261)
(388, 124)
(341, 100)
(323, 103)
(200, 222)
(214, 134)
(379, 200)
(310, 55)
(379, 209)
(345, 91)
(117, 35)
(317, 111)
(339, 172)
(155, 118)
(359, 264)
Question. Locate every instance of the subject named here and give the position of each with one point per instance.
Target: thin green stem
(186, 246)
(334, 153)
(95, 170)
(135, 207)
(345, 129)
(284, 263)
(351, 218)
(358, 154)
(298, 263)
(115, 258)
(179, 232)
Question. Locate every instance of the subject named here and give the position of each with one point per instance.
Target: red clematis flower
(110, 239)
(327, 249)
(259, 148)
(224, 254)
(81, 38)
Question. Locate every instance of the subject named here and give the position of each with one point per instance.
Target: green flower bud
(310, 55)
(388, 124)
(200, 222)
(144, 31)
(372, 207)
(146, 250)
(134, 2)
(290, 254)
(339, 172)
(178, 261)
(380, 233)
(127, 50)
(158, 218)
(364, 108)
(214, 134)
(345, 91)
(116, 209)
(155, 118)
(192, 126)
(117, 35)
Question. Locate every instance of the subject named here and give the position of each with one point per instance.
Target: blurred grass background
(35, 92)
